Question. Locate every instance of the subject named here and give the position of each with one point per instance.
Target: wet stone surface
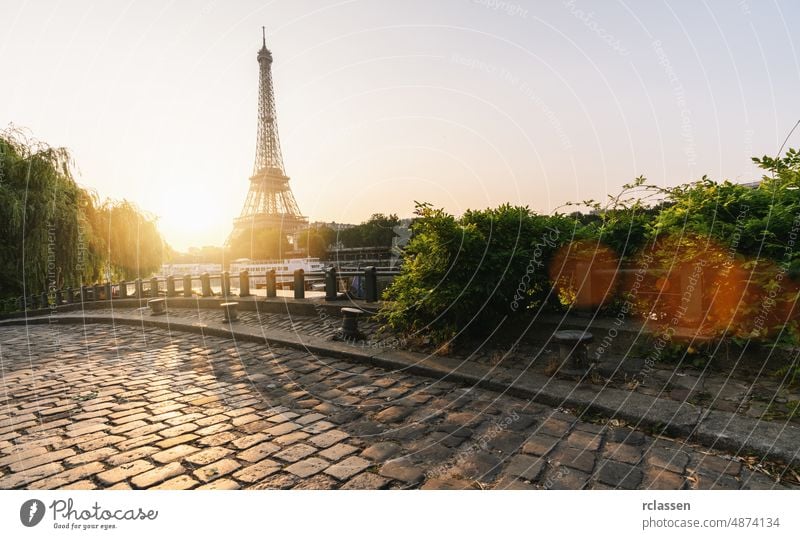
(102, 407)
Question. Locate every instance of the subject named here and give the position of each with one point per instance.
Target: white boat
(257, 271)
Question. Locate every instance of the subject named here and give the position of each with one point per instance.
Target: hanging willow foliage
(54, 233)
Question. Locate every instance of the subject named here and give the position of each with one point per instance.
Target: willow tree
(54, 233)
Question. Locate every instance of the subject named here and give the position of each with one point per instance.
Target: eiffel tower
(270, 202)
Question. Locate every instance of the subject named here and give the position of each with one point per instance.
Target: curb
(711, 428)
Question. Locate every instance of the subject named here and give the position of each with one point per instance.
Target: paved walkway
(97, 406)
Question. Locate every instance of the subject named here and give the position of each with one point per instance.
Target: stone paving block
(525, 466)
(584, 440)
(157, 475)
(381, 451)
(629, 454)
(221, 484)
(329, 438)
(618, 474)
(182, 482)
(216, 470)
(123, 472)
(402, 470)
(68, 476)
(337, 451)
(366, 481)
(661, 479)
(308, 467)
(38, 460)
(91, 456)
(347, 468)
(673, 460)
(573, 458)
(174, 453)
(207, 456)
(257, 472)
(258, 452)
(295, 452)
(539, 444)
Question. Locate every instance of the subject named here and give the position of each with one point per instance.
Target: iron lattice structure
(270, 202)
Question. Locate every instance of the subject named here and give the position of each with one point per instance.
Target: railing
(216, 285)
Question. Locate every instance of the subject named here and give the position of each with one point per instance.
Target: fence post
(109, 291)
(59, 296)
(96, 291)
(370, 284)
(331, 288)
(139, 290)
(33, 302)
(154, 287)
(271, 287)
(21, 303)
(84, 293)
(205, 284)
(299, 284)
(45, 299)
(123, 290)
(187, 286)
(244, 284)
(226, 284)
(70, 295)
(170, 286)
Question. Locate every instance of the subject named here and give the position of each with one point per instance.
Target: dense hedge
(469, 275)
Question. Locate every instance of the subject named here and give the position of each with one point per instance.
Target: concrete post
(271, 287)
(139, 289)
(244, 284)
(70, 295)
(187, 286)
(123, 290)
(205, 284)
(109, 292)
(154, 287)
(170, 286)
(226, 284)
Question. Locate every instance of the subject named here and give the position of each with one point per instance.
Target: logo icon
(31, 513)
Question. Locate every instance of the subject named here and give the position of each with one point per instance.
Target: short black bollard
(370, 284)
(226, 284)
(187, 286)
(85, 293)
(70, 295)
(350, 323)
(170, 286)
(109, 292)
(123, 290)
(139, 288)
(98, 292)
(34, 302)
(271, 288)
(205, 285)
(573, 348)
(157, 306)
(331, 288)
(21, 303)
(59, 297)
(230, 311)
(244, 284)
(45, 300)
(299, 284)
(154, 287)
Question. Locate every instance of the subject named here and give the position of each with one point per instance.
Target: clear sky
(462, 103)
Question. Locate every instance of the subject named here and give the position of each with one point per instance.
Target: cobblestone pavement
(760, 396)
(121, 407)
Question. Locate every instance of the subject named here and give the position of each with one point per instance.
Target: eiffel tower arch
(270, 203)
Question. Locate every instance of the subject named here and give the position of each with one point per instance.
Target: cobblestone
(154, 409)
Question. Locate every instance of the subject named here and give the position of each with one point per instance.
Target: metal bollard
(154, 287)
(21, 303)
(271, 288)
(331, 289)
(139, 288)
(226, 284)
(187, 286)
(97, 292)
(59, 297)
(350, 323)
(84, 293)
(299, 284)
(244, 284)
(123, 290)
(205, 284)
(45, 299)
(109, 292)
(170, 286)
(70, 295)
(230, 311)
(33, 302)
(370, 284)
